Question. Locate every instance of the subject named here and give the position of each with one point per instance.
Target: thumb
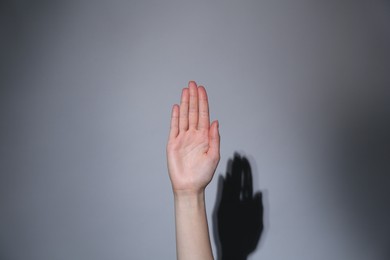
(214, 143)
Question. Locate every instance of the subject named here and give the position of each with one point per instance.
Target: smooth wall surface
(299, 87)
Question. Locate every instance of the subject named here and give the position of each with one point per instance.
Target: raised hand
(193, 145)
(193, 156)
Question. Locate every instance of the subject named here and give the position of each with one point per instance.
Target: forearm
(192, 235)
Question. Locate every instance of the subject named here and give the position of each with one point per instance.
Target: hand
(193, 145)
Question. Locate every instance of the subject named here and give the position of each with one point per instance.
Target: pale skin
(193, 154)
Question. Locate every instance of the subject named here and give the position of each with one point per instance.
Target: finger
(247, 186)
(193, 107)
(174, 131)
(204, 118)
(214, 144)
(183, 111)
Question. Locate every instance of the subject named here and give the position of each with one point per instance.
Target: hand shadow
(238, 214)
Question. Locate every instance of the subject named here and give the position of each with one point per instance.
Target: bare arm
(193, 156)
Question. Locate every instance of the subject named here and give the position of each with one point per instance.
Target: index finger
(204, 118)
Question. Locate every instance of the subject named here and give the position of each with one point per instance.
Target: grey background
(300, 87)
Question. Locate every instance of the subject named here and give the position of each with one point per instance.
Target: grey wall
(300, 87)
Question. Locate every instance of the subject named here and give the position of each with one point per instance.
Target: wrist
(189, 199)
(189, 193)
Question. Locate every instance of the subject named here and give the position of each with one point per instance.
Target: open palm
(193, 145)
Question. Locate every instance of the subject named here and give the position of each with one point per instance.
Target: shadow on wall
(238, 213)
